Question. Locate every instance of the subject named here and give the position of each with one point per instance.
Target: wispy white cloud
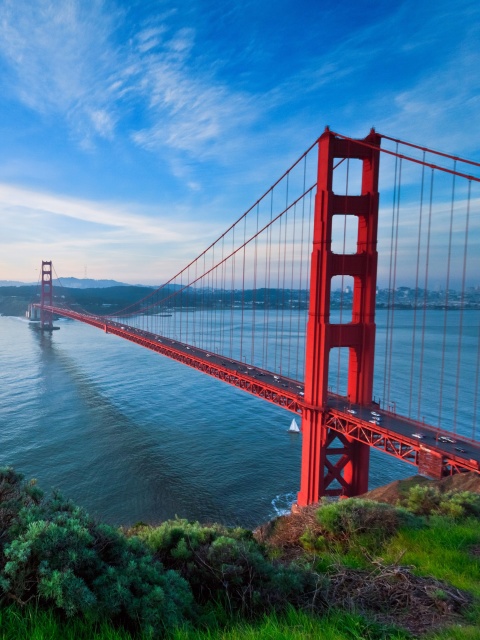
(441, 110)
(114, 218)
(438, 103)
(118, 237)
(125, 82)
(189, 110)
(65, 61)
(61, 57)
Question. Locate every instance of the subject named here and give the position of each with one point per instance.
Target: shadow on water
(102, 458)
(133, 436)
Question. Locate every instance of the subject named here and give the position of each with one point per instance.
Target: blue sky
(133, 133)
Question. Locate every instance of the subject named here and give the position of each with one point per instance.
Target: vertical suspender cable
(181, 305)
(462, 306)
(232, 292)
(290, 312)
(425, 297)
(445, 315)
(216, 335)
(476, 389)
(282, 337)
(197, 306)
(188, 296)
(225, 299)
(211, 301)
(203, 316)
(394, 277)
(254, 293)
(307, 271)
(300, 276)
(416, 289)
(243, 288)
(279, 253)
(342, 280)
(387, 327)
(268, 291)
(265, 290)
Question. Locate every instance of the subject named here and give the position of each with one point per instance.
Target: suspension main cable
(433, 151)
(396, 154)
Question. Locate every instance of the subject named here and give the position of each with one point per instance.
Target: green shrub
(310, 541)
(54, 553)
(356, 517)
(427, 500)
(227, 566)
(15, 494)
(423, 500)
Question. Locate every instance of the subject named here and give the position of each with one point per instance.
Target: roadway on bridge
(428, 436)
(437, 439)
(386, 424)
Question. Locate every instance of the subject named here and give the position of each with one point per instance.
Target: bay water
(136, 437)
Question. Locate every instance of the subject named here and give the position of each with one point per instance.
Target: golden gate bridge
(285, 306)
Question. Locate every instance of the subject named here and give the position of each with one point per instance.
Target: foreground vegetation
(352, 569)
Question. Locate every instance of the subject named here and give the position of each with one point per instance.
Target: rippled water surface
(133, 436)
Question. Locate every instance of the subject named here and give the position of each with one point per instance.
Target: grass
(442, 550)
(296, 625)
(456, 632)
(31, 623)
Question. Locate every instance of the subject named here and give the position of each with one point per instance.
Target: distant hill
(72, 283)
(13, 283)
(88, 283)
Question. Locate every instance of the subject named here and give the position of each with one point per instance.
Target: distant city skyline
(134, 133)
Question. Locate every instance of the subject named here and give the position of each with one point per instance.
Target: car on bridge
(446, 439)
(419, 436)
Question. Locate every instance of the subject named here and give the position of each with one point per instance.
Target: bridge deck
(437, 452)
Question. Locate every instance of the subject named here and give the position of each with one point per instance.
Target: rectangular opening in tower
(347, 176)
(344, 234)
(338, 370)
(341, 299)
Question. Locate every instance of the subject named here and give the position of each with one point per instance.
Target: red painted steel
(319, 468)
(335, 443)
(340, 424)
(47, 295)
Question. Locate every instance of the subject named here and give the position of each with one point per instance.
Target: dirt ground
(393, 492)
(392, 594)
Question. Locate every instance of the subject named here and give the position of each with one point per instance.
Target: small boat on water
(293, 427)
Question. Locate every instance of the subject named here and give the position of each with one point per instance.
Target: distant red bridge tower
(46, 317)
(329, 456)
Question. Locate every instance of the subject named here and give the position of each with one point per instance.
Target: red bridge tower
(46, 318)
(322, 462)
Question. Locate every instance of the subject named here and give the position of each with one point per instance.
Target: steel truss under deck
(340, 426)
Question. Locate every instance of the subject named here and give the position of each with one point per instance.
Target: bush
(15, 494)
(53, 552)
(354, 517)
(228, 567)
(427, 500)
